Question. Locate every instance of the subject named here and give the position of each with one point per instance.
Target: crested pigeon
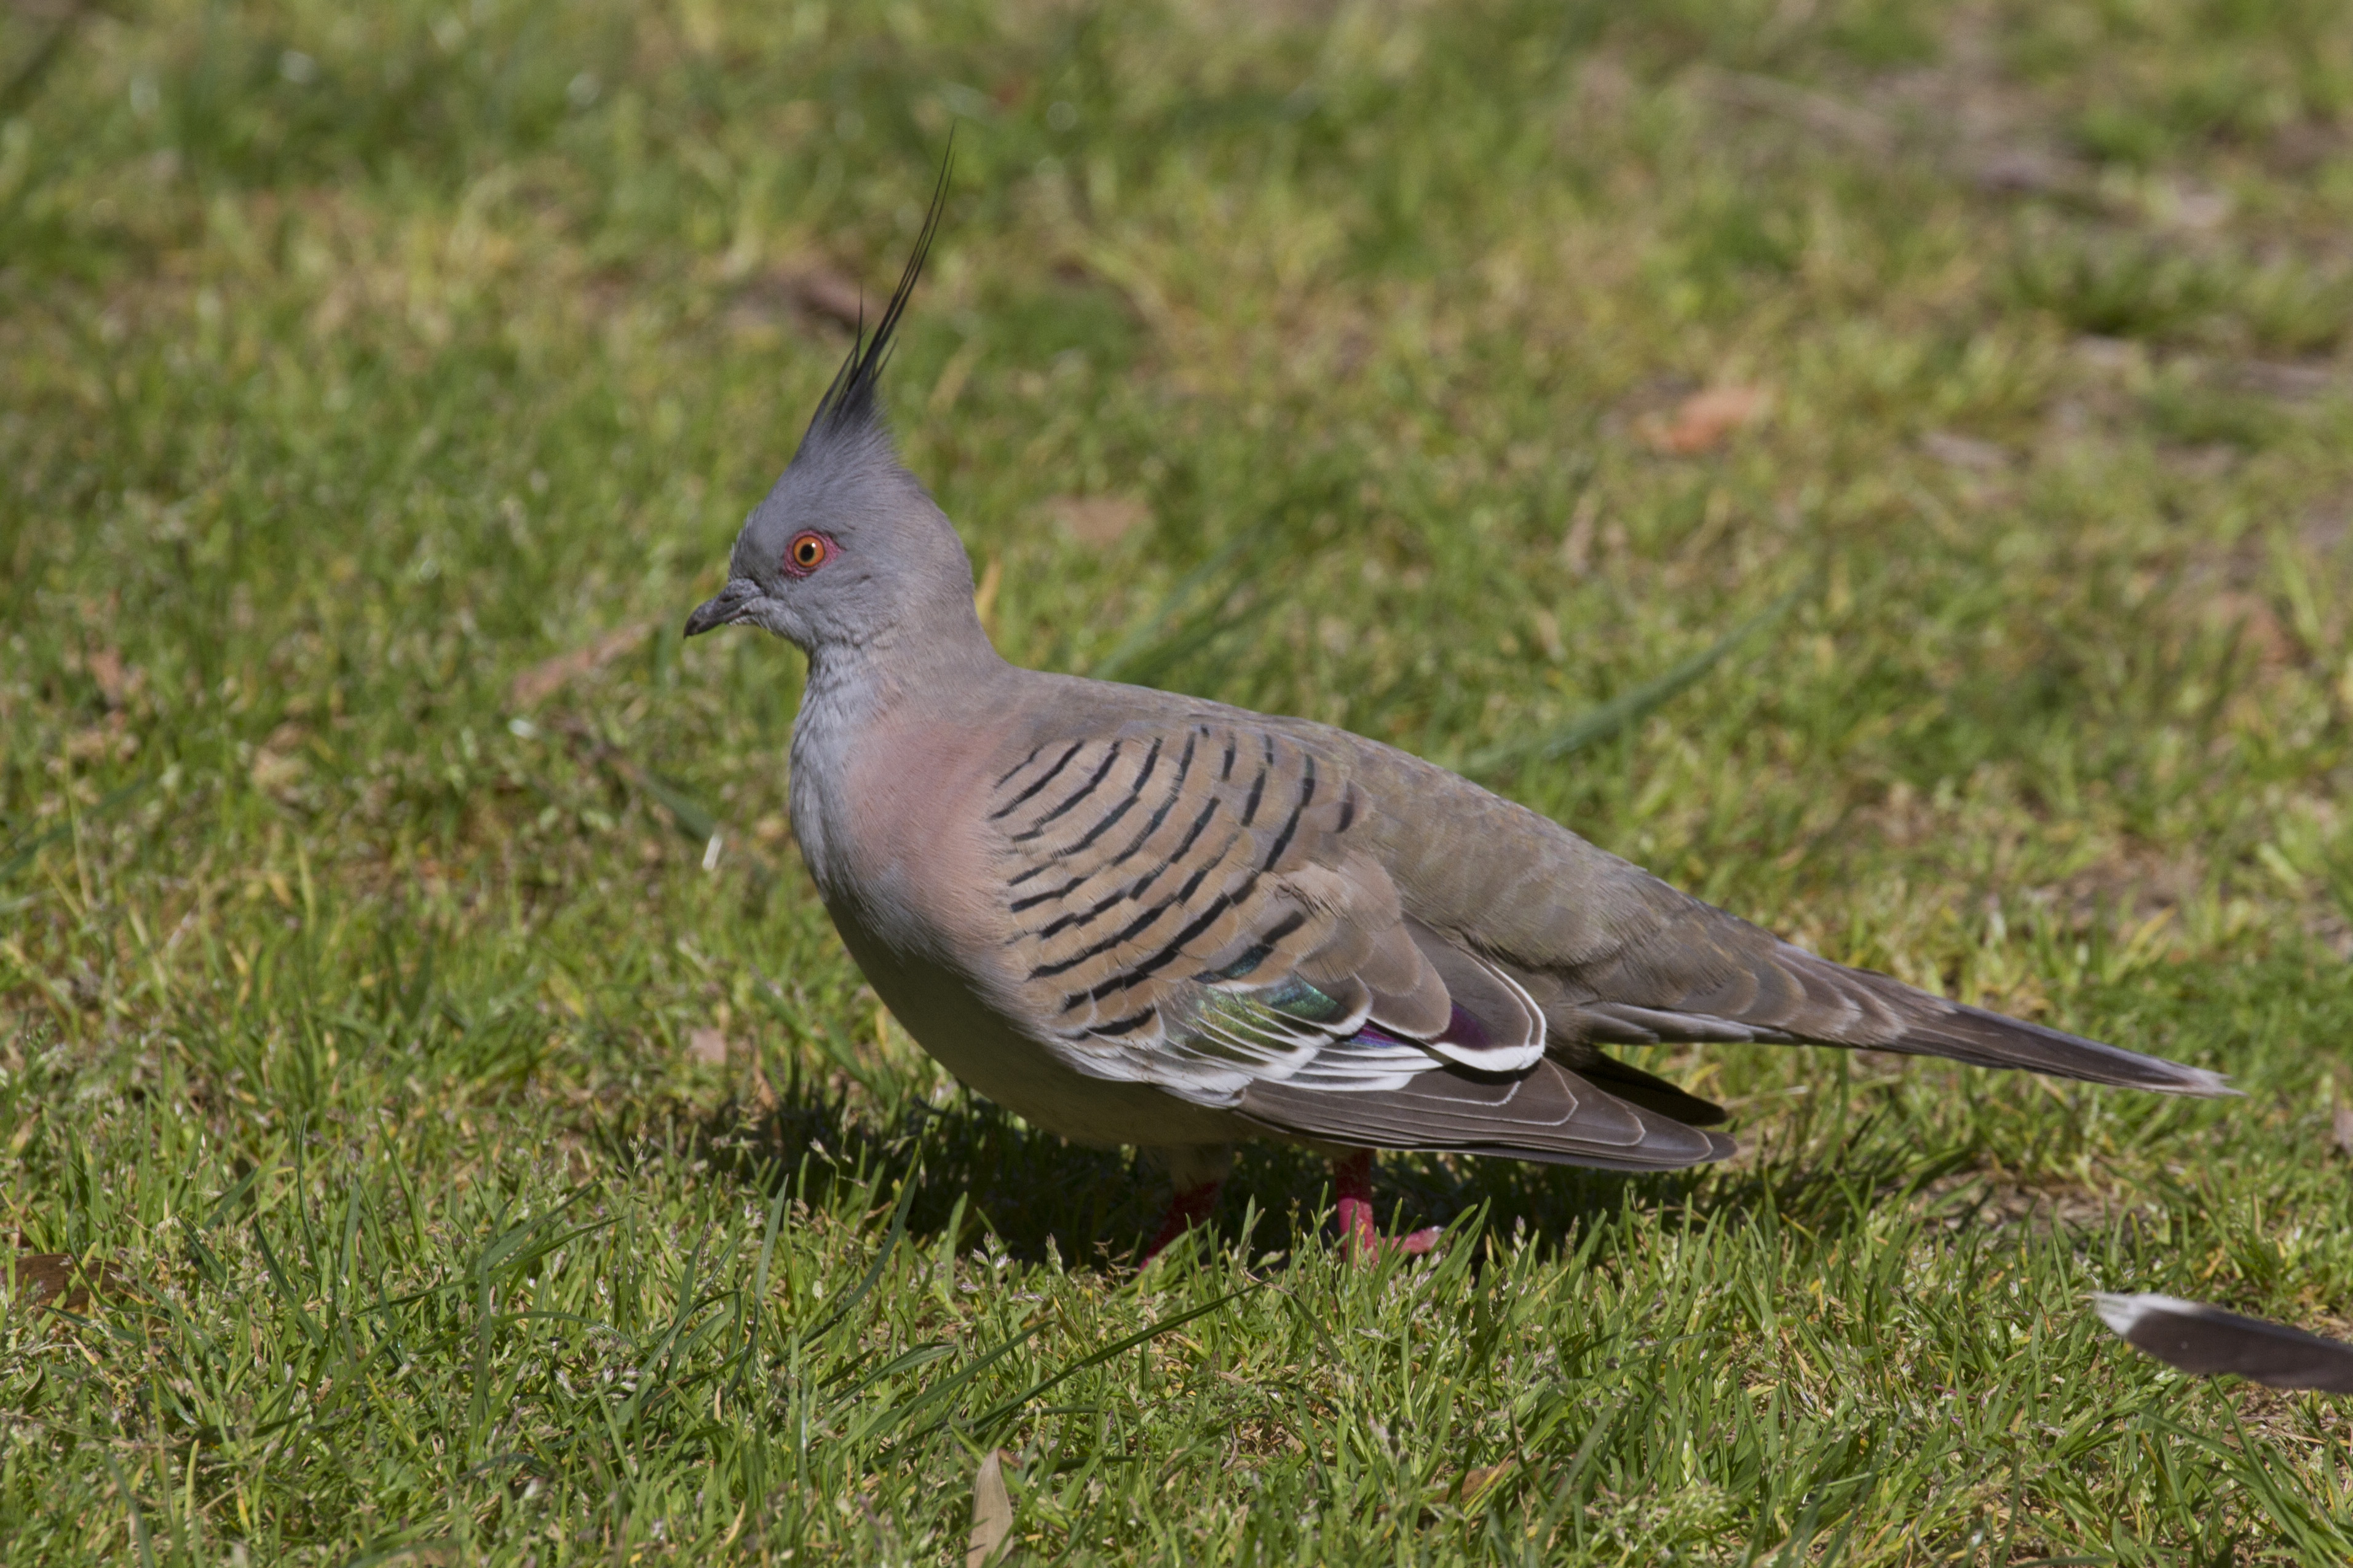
(1135, 917)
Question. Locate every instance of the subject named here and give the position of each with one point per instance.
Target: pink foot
(1185, 1210)
(1352, 1179)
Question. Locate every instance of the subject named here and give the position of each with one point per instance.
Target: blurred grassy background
(380, 874)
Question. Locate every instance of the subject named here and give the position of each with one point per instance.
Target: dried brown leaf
(61, 1281)
(822, 292)
(992, 1512)
(2256, 624)
(113, 682)
(1701, 421)
(1475, 1483)
(2345, 1129)
(1100, 521)
(803, 289)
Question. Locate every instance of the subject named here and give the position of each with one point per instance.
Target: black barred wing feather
(1189, 909)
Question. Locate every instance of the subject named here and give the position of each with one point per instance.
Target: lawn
(1885, 467)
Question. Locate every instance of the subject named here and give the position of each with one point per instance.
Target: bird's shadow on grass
(1044, 1199)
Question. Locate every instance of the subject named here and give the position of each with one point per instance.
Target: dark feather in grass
(2210, 1341)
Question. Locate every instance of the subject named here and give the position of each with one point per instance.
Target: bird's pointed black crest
(849, 406)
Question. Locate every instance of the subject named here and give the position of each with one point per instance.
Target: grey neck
(853, 687)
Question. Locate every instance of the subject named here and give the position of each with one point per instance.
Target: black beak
(725, 608)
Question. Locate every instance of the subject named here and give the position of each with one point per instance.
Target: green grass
(356, 361)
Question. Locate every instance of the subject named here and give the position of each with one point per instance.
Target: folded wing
(1190, 907)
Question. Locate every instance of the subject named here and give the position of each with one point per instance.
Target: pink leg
(1189, 1208)
(1360, 1231)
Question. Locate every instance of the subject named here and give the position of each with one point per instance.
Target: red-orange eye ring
(807, 551)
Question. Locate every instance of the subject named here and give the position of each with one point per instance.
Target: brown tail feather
(1988, 1039)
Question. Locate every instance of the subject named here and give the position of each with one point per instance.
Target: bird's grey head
(849, 550)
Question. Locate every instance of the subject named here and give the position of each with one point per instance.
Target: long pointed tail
(1988, 1039)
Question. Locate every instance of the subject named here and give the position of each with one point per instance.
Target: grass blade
(1630, 708)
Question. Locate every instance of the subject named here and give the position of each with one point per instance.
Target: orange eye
(807, 552)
